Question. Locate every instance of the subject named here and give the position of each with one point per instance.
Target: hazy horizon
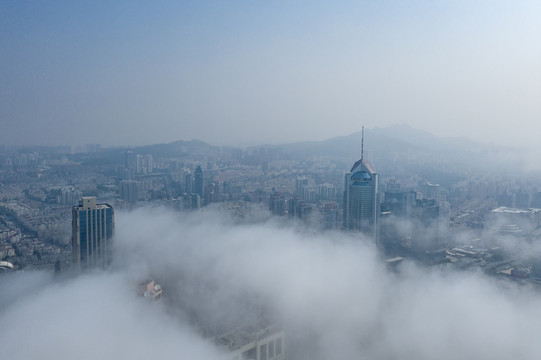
(248, 143)
(132, 73)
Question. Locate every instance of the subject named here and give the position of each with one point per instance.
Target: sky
(251, 72)
(331, 292)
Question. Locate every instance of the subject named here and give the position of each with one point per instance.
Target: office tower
(192, 202)
(92, 148)
(212, 193)
(327, 192)
(329, 215)
(300, 184)
(298, 208)
(198, 181)
(129, 191)
(139, 165)
(278, 203)
(522, 199)
(431, 192)
(69, 196)
(188, 184)
(507, 199)
(361, 205)
(399, 202)
(93, 228)
(129, 160)
(427, 211)
(148, 163)
(536, 200)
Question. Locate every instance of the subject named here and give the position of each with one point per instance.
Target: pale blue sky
(246, 72)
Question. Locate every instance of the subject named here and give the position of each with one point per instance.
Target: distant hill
(427, 140)
(393, 139)
(396, 149)
(180, 148)
(403, 150)
(350, 145)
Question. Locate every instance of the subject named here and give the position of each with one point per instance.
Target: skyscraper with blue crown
(361, 205)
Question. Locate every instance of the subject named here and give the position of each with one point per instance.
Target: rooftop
(245, 335)
(506, 210)
(366, 165)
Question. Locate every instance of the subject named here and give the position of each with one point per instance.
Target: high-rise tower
(198, 181)
(188, 184)
(93, 227)
(361, 206)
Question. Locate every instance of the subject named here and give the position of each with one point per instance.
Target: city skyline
(243, 74)
(264, 256)
(192, 179)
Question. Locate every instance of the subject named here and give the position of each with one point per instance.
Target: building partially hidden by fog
(149, 289)
(198, 182)
(516, 222)
(93, 228)
(252, 343)
(6, 266)
(400, 203)
(361, 205)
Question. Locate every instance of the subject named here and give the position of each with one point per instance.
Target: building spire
(362, 143)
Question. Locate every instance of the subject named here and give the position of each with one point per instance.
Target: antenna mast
(362, 143)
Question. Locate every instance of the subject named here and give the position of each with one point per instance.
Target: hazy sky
(246, 72)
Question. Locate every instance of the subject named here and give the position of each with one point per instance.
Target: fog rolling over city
(91, 317)
(270, 180)
(330, 291)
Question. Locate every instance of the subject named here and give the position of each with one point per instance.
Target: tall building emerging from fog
(361, 206)
(129, 191)
(198, 182)
(93, 227)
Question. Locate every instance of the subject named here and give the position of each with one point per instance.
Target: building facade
(93, 228)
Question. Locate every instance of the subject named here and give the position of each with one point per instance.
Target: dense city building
(428, 201)
(93, 228)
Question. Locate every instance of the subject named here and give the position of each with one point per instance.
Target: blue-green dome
(360, 176)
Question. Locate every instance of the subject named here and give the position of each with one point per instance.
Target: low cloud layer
(332, 293)
(91, 317)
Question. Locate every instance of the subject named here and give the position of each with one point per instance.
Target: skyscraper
(129, 191)
(188, 187)
(93, 228)
(399, 202)
(139, 163)
(148, 163)
(198, 181)
(129, 160)
(361, 205)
